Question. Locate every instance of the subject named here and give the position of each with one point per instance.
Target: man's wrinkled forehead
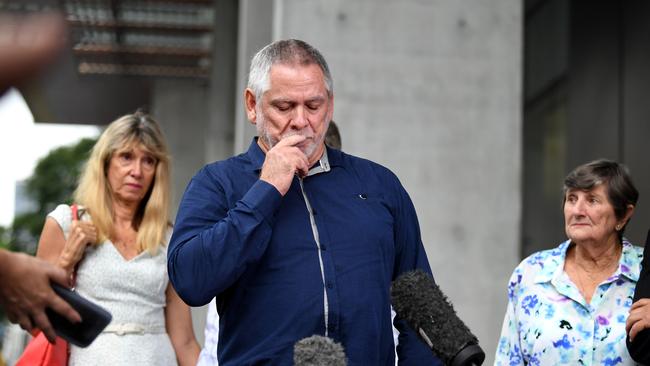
(279, 72)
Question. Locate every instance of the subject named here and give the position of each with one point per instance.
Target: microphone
(318, 351)
(418, 299)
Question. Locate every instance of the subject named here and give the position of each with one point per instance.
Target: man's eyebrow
(281, 100)
(318, 99)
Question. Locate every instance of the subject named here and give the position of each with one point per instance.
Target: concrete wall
(181, 107)
(432, 90)
(255, 31)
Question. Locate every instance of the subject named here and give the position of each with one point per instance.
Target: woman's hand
(65, 253)
(81, 234)
(639, 318)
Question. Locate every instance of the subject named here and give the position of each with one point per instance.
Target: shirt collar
(257, 156)
(629, 265)
(334, 156)
(323, 165)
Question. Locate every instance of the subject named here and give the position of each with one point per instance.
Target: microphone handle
(469, 355)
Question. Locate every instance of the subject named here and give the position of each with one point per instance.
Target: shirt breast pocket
(372, 211)
(363, 232)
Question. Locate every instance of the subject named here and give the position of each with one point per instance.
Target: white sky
(22, 143)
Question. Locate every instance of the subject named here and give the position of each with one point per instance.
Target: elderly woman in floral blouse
(568, 305)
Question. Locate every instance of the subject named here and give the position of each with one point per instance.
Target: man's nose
(299, 120)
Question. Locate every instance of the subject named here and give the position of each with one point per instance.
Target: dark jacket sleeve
(640, 348)
(410, 255)
(213, 244)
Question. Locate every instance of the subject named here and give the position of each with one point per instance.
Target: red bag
(40, 352)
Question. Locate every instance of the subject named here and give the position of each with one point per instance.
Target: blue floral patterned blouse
(548, 322)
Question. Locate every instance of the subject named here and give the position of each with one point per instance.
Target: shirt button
(330, 285)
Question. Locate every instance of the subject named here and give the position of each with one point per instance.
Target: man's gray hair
(287, 52)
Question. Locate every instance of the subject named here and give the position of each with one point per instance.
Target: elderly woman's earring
(618, 227)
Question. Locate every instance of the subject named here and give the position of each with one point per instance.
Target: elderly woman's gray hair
(621, 191)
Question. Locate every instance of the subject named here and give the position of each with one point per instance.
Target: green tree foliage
(4, 238)
(53, 182)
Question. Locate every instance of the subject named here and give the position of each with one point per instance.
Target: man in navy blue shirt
(293, 238)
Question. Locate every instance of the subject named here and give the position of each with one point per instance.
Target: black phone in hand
(94, 318)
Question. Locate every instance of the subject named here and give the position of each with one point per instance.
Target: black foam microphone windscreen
(318, 351)
(417, 299)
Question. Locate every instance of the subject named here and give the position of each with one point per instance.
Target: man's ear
(251, 103)
(330, 112)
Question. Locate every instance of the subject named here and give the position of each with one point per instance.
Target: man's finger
(303, 166)
(639, 303)
(43, 323)
(13, 317)
(56, 303)
(636, 328)
(62, 307)
(57, 275)
(24, 322)
(630, 322)
(291, 140)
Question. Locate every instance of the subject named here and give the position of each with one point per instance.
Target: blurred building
(480, 107)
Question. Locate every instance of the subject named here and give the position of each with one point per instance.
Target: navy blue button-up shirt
(319, 260)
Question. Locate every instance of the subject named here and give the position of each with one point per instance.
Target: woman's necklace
(587, 280)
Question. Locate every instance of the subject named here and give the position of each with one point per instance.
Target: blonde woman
(119, 249)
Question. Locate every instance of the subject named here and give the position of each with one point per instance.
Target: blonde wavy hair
(94, 193)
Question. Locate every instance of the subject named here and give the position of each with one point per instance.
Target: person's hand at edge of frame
(27, 44)
(639, 318)
(26, 291)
